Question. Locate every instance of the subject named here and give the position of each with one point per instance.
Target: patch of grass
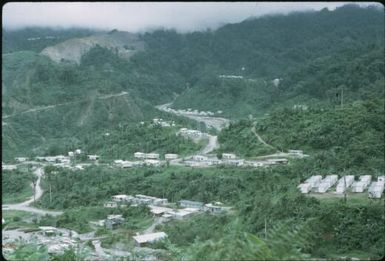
(22, 196)
(351, 198)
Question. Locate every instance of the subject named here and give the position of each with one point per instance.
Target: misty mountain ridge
(299, 49)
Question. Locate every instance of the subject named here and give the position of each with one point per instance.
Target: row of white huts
(321, 185)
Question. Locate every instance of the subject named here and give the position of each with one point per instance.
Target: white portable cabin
(199, 157)
(314, 181)
(152, 162)
(344, 182)
(120, 198)
(304, 187)
(70, 153)
(93, 157)
(21, 159)
(140, 155)
(296, 152)
(149, 238)
(323, 187)
(381, 179)
(330, 180)
(170, 156)
(366, 178)
(228, 156)
(376, 189)
(359, 186)
(152, 156)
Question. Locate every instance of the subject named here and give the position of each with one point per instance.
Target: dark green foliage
(201, 227)
(16, 185)
(349, 137)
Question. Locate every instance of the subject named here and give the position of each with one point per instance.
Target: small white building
(344, 182)
(48, 231)
(234, 162)
(93, 157)
(331, 180)
(78, 151)
(70, 153)
(151, 162)
(215, 208)
(21, 159)
(323, 187)
(228, 156)
(183, 213)
(129, 164)
(296, 152)
(304, 187)
(359, 186)
(156, 210)
(170, 156)
(140, 155)
(120, 198)
(376, 189)
(191, 204)
(149, 238)
(199, 158)
(111, 204)
(314, 181)
(152, 156)
(381, 179)
(276, 82)
(366, 178)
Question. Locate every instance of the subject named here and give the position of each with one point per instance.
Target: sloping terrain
(122, 43)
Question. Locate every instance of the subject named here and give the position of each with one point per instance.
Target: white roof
(120, 196)
(114, 216)
(47, 228)
(159, 210)
(149, 237)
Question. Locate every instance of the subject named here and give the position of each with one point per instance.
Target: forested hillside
(340, 138)
(314, 54)
(311, 81)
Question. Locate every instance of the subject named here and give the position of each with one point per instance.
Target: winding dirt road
(24, 206)
(42, 108)
(214, 122)
(260, 139)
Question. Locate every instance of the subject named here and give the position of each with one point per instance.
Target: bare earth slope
(126, 44)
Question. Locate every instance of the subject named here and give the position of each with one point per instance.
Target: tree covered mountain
(314, 54)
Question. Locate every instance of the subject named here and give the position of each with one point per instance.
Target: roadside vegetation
(16, 185)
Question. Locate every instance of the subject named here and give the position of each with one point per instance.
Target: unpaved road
(215, 122)
(42, 108)
(212, 145)
(260, 139)
(24, 206)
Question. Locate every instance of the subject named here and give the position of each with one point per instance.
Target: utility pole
(265, 228)
(344, 187)
(342, 96)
